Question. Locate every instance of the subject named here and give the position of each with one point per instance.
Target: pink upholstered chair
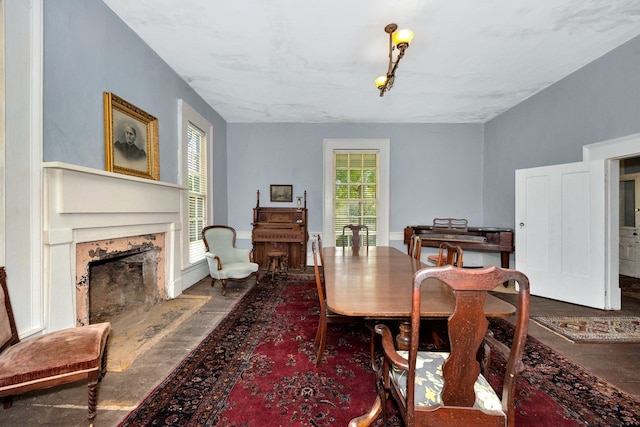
(59, 357)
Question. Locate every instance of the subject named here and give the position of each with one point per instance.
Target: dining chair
(326, 315)
(355, 235)
(448, 254)
(55, 358)
(447, 388)
(415, 246)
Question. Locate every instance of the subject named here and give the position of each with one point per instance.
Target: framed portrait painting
(130, 139)
(281, 193)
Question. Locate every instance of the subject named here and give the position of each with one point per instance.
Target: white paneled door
(560, 231)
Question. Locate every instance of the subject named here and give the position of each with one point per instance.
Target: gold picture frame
(130, 139)
(281, 193)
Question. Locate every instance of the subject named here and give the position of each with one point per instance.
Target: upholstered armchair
(48, 360)
(226, 262)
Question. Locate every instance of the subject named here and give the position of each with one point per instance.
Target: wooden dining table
(377, 282)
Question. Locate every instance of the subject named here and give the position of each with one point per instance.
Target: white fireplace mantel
(83, 205)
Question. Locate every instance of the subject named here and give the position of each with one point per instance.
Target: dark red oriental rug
(257, 368)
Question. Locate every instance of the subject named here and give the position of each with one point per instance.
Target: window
(356, 188)
(356, 193)
(195, 138)
(197, 173)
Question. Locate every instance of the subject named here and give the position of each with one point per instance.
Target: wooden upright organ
(282, 231)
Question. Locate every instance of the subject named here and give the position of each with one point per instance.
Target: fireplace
(118, 276)
(93, 218)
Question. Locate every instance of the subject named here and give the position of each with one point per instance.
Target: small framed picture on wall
(281, 193)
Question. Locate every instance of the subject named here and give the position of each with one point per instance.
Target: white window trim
(382, 146)
(189, 114)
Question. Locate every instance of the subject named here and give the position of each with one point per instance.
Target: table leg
(504, 259)
(403, 339)
(367, 419)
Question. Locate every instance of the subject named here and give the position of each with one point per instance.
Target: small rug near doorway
(134, 334)
(593, 329)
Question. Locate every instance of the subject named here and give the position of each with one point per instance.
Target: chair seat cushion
(54, 354)
(429, 382)
(235, 270)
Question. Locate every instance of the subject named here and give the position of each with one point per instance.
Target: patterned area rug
(600, 329)
(257, 368)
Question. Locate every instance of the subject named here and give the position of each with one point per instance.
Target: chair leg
(382, 395)
(8, 402)
(322, 330)
(224, 286)
(373, 350)
(92, 385)
(436, 340)
(484, 358)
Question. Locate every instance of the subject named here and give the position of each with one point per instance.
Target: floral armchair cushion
(429, 382)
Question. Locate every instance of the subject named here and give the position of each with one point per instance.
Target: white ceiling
(310, 61)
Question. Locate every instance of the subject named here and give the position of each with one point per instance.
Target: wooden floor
(618, 364)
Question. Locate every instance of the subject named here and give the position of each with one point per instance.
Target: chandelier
(399, 41)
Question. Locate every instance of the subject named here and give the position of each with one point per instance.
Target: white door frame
(383, 148)
(612, 151)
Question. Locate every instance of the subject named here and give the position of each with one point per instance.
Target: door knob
(521, 224)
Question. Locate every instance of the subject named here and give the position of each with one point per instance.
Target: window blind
(197, 176)
(356, 192)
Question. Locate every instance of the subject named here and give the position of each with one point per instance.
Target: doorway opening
(629, 222)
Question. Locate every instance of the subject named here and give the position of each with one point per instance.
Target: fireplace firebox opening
(118, 277)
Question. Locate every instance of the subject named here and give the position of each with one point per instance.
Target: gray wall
(598, 102)
(88, 50)
(436, 169)
(85, 55)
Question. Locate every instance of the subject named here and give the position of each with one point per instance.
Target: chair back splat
(355, 235)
